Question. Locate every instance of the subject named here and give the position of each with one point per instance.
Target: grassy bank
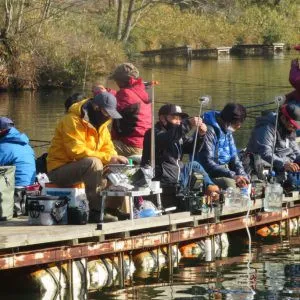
(80, 42)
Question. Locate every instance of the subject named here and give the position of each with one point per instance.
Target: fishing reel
(193, 202)
(193, 197)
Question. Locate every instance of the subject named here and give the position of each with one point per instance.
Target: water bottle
(245, 197)
(230, 197)
(273, 197)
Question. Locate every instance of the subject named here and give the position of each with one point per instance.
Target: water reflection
(245, 80)
(274, 274)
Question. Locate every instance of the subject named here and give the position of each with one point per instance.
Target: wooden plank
(146, 223)
(24, 235)
(17, 233)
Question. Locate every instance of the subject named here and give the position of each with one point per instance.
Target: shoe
(118, 213)
(94, 217)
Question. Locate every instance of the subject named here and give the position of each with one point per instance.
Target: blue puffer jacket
(16, 151)
(219, 150)
(262, 138)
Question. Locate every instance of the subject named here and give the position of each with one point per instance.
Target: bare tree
(135, 10)
(120, 19)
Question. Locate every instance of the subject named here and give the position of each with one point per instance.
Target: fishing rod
(279, 100)
(204, 100)
(41, 146)
(39, 141)
(247, 107)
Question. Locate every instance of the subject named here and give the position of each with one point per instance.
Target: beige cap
(124, 71)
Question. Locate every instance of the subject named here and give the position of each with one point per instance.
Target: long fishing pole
(204, 100)
(247, 107)
(279, 100)
(153, 83)
(152, 127)
(39, 141)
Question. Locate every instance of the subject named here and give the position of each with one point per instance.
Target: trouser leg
(87, 170)
(196, 167)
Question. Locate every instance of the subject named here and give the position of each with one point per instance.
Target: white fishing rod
(279, 100)
(159, 204)
(152, 128)
(204, 100)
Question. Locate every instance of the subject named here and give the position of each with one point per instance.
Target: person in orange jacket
(82, 145)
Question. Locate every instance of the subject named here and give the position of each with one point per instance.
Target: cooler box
(47, 210)
(76, 194)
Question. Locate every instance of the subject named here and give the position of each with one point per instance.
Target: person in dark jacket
(134, 106)
(171, 142)
(218, 155)
(287, 153)
(16, 151)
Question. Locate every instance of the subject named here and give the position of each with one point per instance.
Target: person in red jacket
(294, 78)
(134, 105)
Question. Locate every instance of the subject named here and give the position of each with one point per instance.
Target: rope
(249, 249)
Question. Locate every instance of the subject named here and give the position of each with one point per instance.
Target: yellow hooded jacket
(75, 138)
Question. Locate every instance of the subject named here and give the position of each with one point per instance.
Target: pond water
(273, 274)
(248, 80)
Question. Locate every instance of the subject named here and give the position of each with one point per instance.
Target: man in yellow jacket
(82, 145)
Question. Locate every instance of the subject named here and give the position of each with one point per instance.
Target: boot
(94, 217)
(118, 213)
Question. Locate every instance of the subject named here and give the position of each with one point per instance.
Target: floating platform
(241, 49)
(23, 245)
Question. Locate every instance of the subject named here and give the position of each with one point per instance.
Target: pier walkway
(23, 245)
(242, 49)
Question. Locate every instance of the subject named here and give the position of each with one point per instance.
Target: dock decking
(190, 53)
(23, 245)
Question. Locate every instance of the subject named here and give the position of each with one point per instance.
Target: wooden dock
(210, 52)
(23, 245)
(258, 49)
(241, 49)
(184, 51)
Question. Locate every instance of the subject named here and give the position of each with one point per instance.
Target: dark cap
(5, 123)
(292, 113)
(109, 103)
(172, 109)
(233, 112)
(124, 71)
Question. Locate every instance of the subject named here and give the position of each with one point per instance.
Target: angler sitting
(171, 142)
(82, 145)
(135, 108)
(286, 154)
(16, 151)
(218, 154)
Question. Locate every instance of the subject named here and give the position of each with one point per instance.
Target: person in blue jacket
(16, 151)
(218, 155)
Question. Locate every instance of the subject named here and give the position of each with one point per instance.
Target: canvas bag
(7, 188)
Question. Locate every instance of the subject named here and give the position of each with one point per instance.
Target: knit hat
(5, 123)
(124, 71)
(292, 114)
(233, 112)
(109, 103)
(172, 109)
